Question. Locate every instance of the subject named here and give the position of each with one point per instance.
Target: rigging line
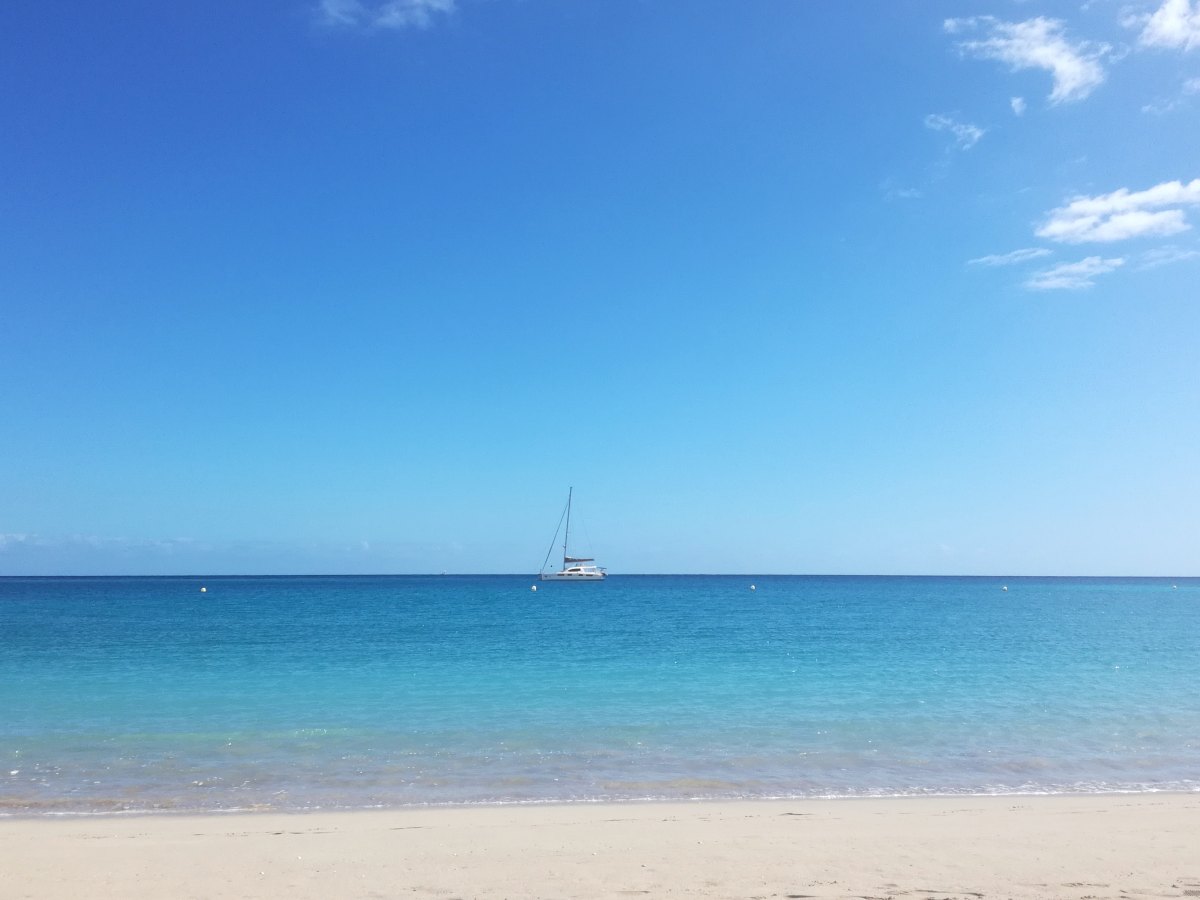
(555, 539)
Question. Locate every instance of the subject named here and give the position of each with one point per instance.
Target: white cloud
(389, 14)
(1123, 214)
(339, 12)
(1018, 106)
(1010, 259)
(1161, 107)
(966, 135)
(1037, 43)
(18, 541)
(1175, 24)
(1163, 256)
(1073, 276)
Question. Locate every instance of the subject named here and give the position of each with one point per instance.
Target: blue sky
(777, 286)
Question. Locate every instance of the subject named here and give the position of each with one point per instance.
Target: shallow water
(298, 693)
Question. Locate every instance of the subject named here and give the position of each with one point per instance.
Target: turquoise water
(300, 693)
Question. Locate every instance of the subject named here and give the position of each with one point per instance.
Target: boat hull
(573, 576)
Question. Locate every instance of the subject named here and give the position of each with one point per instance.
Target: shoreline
(19, 815)
(1017, 846)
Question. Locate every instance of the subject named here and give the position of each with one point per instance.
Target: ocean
(299, 693)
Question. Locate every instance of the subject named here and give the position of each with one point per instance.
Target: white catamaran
(574, 568)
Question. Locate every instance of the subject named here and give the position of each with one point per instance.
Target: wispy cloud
(1161, 107)
(1018, 106)
(1174, 25)
(1010, 259)
(1165, 256)
(1038, 43)
(21, 541)
(1123, 214)
(1073, 276)
(389, 14)
(892, 190)
(1190, 87)
(965, 135)
(39, 554)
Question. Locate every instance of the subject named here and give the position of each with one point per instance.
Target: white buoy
(533, 587)
(1005, 588)
(753, 588)
(204, 590)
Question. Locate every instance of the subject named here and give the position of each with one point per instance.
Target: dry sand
(1119, 846)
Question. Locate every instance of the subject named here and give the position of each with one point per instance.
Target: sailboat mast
(567, 533)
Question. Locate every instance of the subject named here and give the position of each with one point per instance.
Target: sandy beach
(1017, 847)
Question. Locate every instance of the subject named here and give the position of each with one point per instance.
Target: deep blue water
(296, 693)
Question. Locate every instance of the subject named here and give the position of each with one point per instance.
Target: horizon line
(619, 575)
